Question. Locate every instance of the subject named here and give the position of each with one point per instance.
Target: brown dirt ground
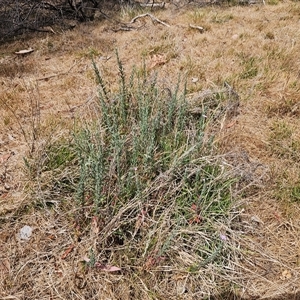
(36, 108)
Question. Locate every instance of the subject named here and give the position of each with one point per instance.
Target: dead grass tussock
(15, 68)
(277, 263)
(38, 270)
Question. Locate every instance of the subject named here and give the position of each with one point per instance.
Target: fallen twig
(201, 29)
(160, 5)
(55, 75)
(24, 52)
(125, 28)
(152, 18)
(68, 251)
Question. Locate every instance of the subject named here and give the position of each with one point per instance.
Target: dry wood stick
(59, 74)
(152, 18)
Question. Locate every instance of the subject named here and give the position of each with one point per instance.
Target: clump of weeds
(146, 181)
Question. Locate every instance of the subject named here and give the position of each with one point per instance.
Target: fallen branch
(24, 52)
(55, 75)
(152, 18)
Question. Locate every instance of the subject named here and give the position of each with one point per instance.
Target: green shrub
(147, 171)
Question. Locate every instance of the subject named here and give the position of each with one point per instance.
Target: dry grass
(254, 49)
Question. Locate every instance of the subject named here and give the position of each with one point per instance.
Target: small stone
(25, 233)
